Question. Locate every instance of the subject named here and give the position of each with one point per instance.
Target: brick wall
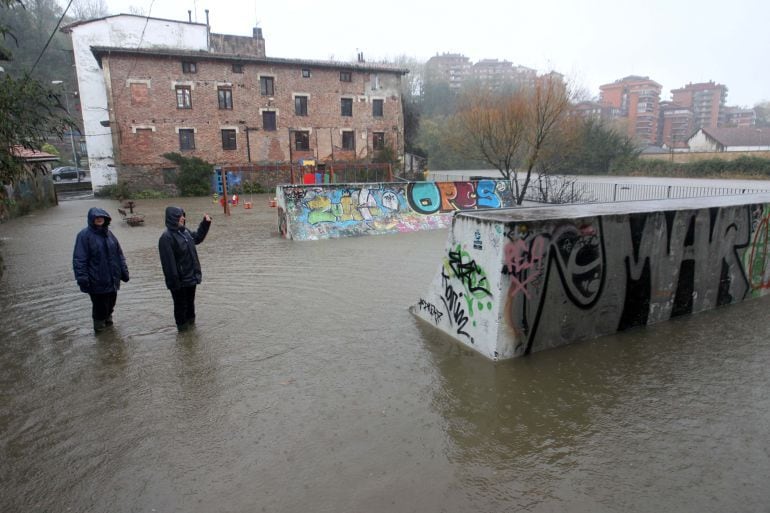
(146, 118)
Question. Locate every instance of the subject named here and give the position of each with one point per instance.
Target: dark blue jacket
(98, 260)
(178, 255)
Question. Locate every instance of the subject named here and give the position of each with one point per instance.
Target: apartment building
(676, 125)
(176, 87)
(706, 100)
(737, 116)
(496, 75)
(637, 99)
(453, 68)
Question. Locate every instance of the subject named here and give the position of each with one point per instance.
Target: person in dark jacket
(99, 266)
(180, 263)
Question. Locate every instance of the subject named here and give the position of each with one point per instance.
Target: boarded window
(140, 94)
(377, 108)
(348, 140)
(268, 120)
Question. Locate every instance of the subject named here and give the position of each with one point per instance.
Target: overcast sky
(593, 42)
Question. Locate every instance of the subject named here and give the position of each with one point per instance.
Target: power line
(50, 37)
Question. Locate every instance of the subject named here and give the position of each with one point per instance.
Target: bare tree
(89, 9)
(511, 131)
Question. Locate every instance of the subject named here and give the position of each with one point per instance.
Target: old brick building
(218, 97)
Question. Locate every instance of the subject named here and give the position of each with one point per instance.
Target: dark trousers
(184, 304)
(102, 305)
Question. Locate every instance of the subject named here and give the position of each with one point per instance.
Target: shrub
(194, 177)
(150, 194)
(119, 191)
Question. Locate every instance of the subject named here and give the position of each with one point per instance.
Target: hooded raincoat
(178, 255)
(98, 259)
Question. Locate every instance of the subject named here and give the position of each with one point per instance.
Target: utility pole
(72, 138)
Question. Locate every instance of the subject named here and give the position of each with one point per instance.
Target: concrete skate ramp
(517, 281)
(311, 212)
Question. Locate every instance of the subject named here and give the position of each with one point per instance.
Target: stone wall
(687, 157)
(34, 190)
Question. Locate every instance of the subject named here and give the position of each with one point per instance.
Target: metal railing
(568, 189)
(575, 191)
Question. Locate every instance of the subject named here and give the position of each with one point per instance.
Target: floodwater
(307, 386)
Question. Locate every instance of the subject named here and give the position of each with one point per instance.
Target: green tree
(30, 110)
(763, 113)
(194, 177)
(590, 147)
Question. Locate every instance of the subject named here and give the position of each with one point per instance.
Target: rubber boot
(99, 326)
(108, 322)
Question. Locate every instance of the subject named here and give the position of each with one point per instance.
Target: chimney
(207, 17)
(257, 33)
(189, 15)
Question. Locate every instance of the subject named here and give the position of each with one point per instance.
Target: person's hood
(95, 212)
(172, 217)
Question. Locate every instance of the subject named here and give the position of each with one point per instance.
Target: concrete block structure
(312, 212)
(513, 282)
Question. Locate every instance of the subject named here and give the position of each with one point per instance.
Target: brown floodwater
(307, 386)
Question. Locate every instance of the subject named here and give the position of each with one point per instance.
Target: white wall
(700, 142)
(121, 31)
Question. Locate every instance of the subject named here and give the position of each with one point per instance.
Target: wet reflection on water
(307, 386)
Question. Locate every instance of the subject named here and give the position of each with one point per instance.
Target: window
(374, 78)
(237, 67)
(348, 140)
(268, 120)
(266, 86)
(189, 67)
(186, 139)
(301, 140)
(183, 97)
(346, 107)
(378, 140)
(377, 108)
(228, 139)
(225, 95)
(305, 73)
(346, 76)
(300, 105)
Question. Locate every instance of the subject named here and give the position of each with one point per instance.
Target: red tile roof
(32, 155)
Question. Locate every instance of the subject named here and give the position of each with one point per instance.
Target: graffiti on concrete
(651, 267)
(453, 304)
(431, 309)
(472, 276)
(757, 262)
(510, 287)
(337, 210)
